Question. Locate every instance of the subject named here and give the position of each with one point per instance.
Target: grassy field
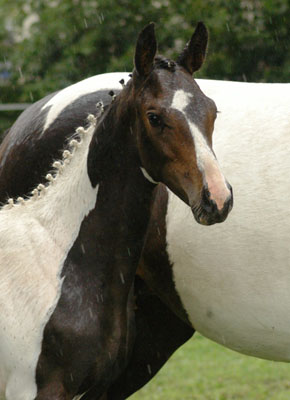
(203, 370)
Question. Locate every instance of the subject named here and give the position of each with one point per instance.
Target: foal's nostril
(230, 188)
(229, 203)
(210, 209)
(208, 205)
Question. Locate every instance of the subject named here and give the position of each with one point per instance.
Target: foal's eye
(154, 120)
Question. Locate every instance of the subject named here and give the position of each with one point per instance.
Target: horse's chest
(234, 280)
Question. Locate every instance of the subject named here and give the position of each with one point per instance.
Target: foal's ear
(146, 48)
(193, 54)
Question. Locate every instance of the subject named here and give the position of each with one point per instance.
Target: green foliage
(48, 45)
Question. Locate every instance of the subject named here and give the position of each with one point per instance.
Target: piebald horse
(71, 237)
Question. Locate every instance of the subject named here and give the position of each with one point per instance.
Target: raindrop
(122, 278)
(31, 96)
(129, 253)
(149, 369)
(228, 27)
(83, 248)
(85, 22)
(20, 72)
(244, 77)
(101, 18)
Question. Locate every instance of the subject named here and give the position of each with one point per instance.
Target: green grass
(203, 370)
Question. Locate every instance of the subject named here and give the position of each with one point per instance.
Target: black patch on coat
(27, 152)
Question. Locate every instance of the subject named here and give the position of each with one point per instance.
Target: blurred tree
(47, 45)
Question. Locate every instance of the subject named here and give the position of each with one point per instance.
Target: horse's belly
(234, 280)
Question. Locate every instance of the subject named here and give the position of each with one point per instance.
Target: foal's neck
(124, 197)
(113, 150)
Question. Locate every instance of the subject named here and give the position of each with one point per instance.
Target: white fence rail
(14, 106)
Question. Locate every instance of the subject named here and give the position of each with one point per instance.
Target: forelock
(161, 62)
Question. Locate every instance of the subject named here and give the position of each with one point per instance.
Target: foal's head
(174, 126)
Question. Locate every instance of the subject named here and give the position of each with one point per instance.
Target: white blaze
(206, 161)
(180, 100)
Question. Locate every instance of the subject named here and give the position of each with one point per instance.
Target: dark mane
(161, 62)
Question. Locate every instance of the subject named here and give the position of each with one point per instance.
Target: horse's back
(234, 278)
(40, 132)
